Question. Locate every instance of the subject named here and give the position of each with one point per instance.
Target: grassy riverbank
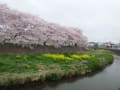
(18, 69)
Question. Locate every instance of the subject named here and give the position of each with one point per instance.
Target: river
(106, 79)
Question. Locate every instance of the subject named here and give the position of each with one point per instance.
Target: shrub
(55, 75)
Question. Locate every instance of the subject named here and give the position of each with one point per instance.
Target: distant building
(93, 45)
(117, 46)
(107, 45)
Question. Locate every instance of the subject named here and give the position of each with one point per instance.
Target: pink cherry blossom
(25, 30)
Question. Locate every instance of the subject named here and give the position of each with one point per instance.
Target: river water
(107, 79)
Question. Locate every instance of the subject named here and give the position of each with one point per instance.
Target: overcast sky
(98, 19)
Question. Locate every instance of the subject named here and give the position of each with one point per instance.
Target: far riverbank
(21, 69)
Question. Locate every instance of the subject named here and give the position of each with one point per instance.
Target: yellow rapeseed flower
(18, 56)
(57, 56)
(80, 57)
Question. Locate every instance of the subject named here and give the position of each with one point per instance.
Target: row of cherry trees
(26, 30)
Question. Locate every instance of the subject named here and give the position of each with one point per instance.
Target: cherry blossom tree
(26, 30)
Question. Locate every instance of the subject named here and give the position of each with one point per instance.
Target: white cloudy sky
(98, 19)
